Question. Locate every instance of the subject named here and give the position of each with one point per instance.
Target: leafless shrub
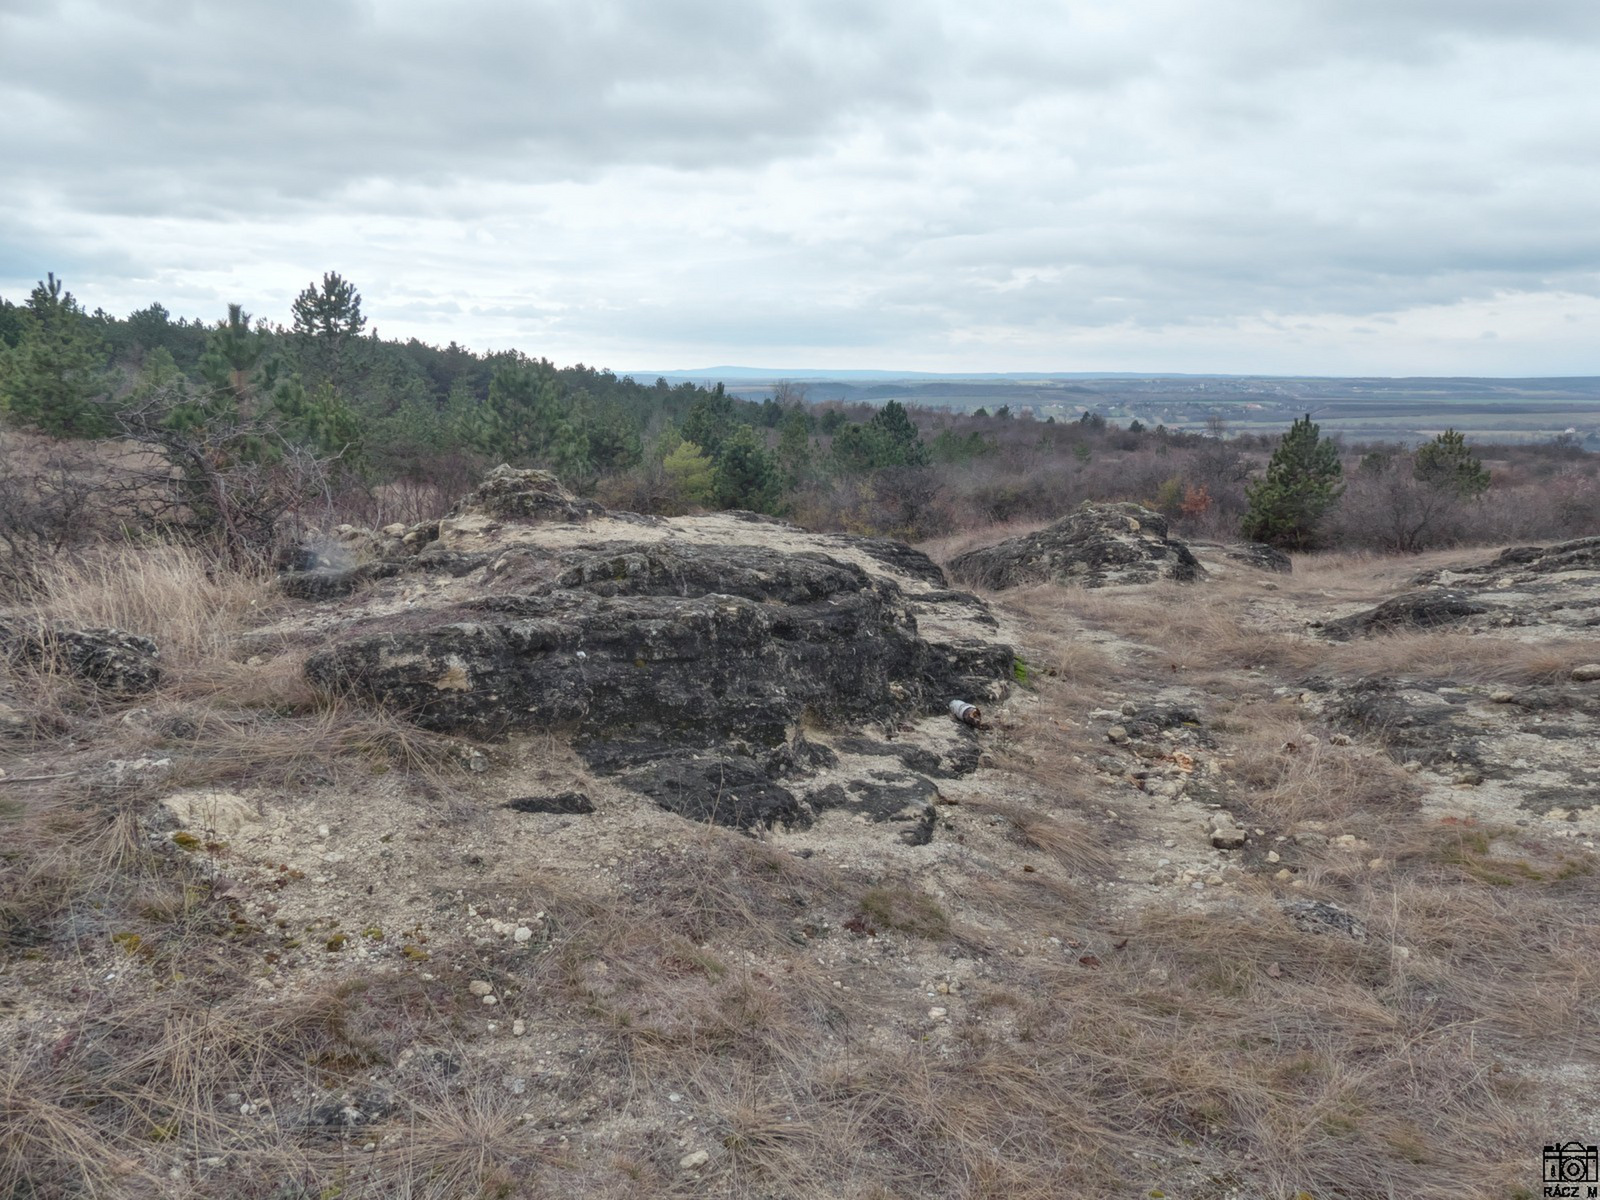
(240, 486)
(53, 500)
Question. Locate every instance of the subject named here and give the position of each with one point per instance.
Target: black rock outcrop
(700, 645)
(1099, 545)
(123, 664)
(687, 663)
(1581, 554)
(1425, 609)
(1260, 556)
(526, 495)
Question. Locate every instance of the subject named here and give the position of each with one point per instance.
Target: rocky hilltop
(1098, 545)
(544, 849)
(718, 663)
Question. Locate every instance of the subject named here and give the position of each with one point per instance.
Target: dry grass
(943, 549)
(1288, 773)
(1465, 657)
(193, 607)
(1180, 628)
(1062, 838)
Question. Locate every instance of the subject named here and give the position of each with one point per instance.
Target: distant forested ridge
(239, 423)
(391, 408)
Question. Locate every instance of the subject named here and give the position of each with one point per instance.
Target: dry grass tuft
(1289, 774)
(191, 605)
(1460, 656)
(1076, 846)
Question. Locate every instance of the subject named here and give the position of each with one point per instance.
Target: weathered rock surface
(1099, 545)
(705, 644)
(123, 664)
(684, 656)
(337, 563)
(1528, 746)
(1320, 916)
(1581, 554)
(525, 495)
(1260, 556)
(1424, 609)
(329, 583)
(1532, 747)
(1525, 586)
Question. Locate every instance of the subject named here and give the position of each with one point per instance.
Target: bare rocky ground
(1229, 895)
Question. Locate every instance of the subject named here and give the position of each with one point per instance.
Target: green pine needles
(1447, 464)
(1301, 484)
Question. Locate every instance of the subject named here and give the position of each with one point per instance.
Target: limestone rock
(1260, 556)
(684, 656)
(222, 813)
(329, 583)
(1228, 836)
(114, 661)
(1319, 916)
(1531, 586)
(1423, 609)
(628, 648)
(568, 804)
(1099, 545)
(1581, 554)
(525, 495)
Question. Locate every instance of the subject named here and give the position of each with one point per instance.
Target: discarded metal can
(967, 714)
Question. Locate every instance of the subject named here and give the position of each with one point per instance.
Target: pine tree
(902, 445)
(746, 475)
(53, 378)
(1448, 464)
(327, 323)
(332, 313)
(234, 353)
(526, 419)
(319, 419)
(794, 448)
(690, 472)
(1300, 486)
(709, 421)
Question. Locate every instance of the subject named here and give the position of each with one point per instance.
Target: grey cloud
(603, 178)
(249, 104)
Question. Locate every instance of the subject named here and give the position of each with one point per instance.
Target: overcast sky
(1275, 186)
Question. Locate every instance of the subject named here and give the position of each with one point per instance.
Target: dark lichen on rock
(1098, 545)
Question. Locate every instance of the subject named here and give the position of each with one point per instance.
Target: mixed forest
(237, 429)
